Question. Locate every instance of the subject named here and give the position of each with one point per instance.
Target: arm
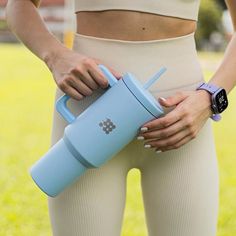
(192, 107)
(225, 74)
(74, 73)
(23, 19)
(36, 2)
(231, 4)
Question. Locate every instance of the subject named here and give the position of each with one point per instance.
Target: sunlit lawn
(26, 103)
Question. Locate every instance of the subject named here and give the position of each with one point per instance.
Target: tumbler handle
(61, 107)
(61, 104)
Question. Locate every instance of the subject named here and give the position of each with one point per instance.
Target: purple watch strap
(211, 88)
(216, 117)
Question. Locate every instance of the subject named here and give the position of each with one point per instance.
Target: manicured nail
(147, 145)
(158, 151)
(144, 129)
(140, 138)
(163, 99)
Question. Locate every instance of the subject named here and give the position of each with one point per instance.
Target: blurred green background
(26, 104)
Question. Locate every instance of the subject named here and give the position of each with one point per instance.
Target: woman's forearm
(225, 75)
(24, 20)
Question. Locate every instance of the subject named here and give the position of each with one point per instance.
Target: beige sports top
(187, 9)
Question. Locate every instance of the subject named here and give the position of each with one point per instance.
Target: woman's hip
(145, 58)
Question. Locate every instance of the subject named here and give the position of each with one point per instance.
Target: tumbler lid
(142, 95)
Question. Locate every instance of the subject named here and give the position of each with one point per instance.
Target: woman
(175, 154)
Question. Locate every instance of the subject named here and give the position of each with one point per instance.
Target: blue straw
(154, 78)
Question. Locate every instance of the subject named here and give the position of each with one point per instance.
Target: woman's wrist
(50, 56)
(205, 100)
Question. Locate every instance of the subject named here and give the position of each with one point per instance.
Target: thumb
(172, 100)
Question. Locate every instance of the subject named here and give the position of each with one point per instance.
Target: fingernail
(158, 151)
(140, 137)
(144, 129)
(147, 145)
(118, 76)
(163, 99)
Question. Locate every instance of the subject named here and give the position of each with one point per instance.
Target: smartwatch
(219, 101)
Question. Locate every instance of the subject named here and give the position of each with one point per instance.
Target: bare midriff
(132, 25)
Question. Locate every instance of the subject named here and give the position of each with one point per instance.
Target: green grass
(26, 104)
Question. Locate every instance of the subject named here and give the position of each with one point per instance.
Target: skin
(191, 110)
(79, 75)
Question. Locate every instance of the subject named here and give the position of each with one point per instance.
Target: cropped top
(186, 9)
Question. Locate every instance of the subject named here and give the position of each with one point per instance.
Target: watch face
(221, 100)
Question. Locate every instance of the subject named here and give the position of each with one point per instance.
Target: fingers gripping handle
(110, 77)
(61, 104)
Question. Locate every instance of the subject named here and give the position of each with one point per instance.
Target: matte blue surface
(97, 134)
(61, 107)
(124, 111)
(56, 170)
(143, 95)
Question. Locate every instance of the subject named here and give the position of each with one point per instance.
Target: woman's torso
(131, 25)
(158, 20)
(171, 38)
(177, 54)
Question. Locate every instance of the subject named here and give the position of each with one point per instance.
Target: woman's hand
(181, 124)
(77, 75)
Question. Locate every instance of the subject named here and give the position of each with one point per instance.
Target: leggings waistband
(145, 58)
(143, 42)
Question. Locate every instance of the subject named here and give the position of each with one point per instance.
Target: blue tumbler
(98, 133)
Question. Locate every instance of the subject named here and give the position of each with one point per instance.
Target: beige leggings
(179, 187)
